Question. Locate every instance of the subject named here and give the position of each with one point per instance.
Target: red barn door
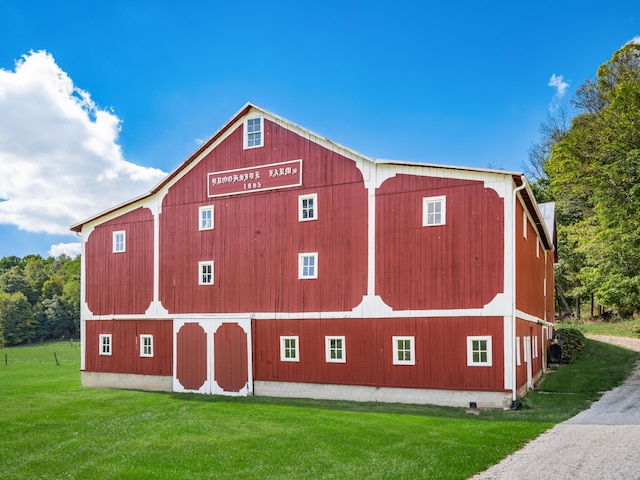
(213, 356)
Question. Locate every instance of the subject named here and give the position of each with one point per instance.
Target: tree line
(588, 162)
(39, 299)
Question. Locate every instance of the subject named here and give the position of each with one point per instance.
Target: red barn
(276, 262)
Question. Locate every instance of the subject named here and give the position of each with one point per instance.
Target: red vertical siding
(191, 353)
(120, 283)
(530, 268)
(125, 357)
(230, 357)
(529, 329)
(441, 352)
(257, 237)
(550, 293)
(457, 265)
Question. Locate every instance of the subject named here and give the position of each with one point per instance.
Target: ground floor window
(335, 350)
(146, 345)
(105, 344)
(479, 351)
(289, 350)
(404, 351)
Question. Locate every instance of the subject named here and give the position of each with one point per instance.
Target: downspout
(514, 387)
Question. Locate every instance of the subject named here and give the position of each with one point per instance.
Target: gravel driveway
(602, 442)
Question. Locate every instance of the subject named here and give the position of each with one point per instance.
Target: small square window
(404, 351)
(119, 241)
(307, 265)
(289, 349)
(105, 344)
(146, 345)
(253, 134)
(335, 349)
(479, 351)
(206, 218)
(308, 207)
(206, 273)
(434, 211)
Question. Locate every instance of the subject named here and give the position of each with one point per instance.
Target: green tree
(594, 175)
(51, 289)
(13, 281)
(16, 316)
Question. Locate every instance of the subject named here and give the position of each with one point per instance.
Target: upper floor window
(307, 265)
(253, 132)
(479, 351)
(434, 211)
(206, 218)
(146, 345)
(404, 351)
(335, 350)
(308, 207)
(119, 241)
(289, 350)
(105, 344)
(206, 273)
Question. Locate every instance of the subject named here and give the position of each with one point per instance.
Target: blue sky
(127, 90)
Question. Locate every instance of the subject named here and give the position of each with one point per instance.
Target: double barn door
(213, 356)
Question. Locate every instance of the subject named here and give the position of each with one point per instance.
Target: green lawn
(620, 328)
(51, 428)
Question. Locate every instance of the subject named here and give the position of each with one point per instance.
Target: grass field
(51, 428)
(621, 328)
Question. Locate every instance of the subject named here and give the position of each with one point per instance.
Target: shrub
(572, 342)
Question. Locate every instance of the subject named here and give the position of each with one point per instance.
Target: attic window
(434, 211)
(253, 133)
(119, 241)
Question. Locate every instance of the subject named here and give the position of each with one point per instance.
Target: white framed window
(518, 356)
(525, 224)
(146, 345)
(205, 273)
(105, 344)
(479, 351)
(335, 349)
(119, 241)
(253, 132)
(535, 347)
(289, 349)
(434, 211)
(308, 207)
(205, 215)
(404, 352)
(307, 265)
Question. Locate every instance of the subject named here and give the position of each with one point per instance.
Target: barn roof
(518, 177)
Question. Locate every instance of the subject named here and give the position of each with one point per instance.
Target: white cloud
(634, 40)
(69, 249)
(557, 82)
(60, 161)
